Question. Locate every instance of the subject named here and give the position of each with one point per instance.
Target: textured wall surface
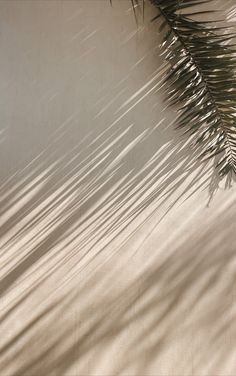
(117, 247)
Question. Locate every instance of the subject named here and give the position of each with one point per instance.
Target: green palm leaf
(200, 76)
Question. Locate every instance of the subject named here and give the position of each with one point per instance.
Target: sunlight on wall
(117, 244)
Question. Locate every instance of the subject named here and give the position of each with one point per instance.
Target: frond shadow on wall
(185, 298)
(78, 203)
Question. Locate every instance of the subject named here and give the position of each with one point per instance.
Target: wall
(117, 244)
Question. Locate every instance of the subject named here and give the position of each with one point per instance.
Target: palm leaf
(200, 76)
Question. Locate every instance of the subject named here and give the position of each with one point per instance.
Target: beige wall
(115, 258)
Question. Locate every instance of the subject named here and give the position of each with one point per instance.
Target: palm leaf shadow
(66, 212)
(177, 296)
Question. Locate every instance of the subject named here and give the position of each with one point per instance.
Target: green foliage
(200, 78)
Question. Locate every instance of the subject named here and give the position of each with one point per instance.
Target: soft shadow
(109, 165)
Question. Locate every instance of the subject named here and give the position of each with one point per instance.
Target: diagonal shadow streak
(77, 200)
(72, 210)
(95, 200)
(182, 296)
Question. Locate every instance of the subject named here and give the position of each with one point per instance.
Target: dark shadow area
(183, 298)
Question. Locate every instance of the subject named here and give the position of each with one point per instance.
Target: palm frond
(201, 76)
(201, 64)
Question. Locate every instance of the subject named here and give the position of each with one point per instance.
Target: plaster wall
(117, 247)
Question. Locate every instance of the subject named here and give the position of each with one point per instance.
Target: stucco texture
(117, 244)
